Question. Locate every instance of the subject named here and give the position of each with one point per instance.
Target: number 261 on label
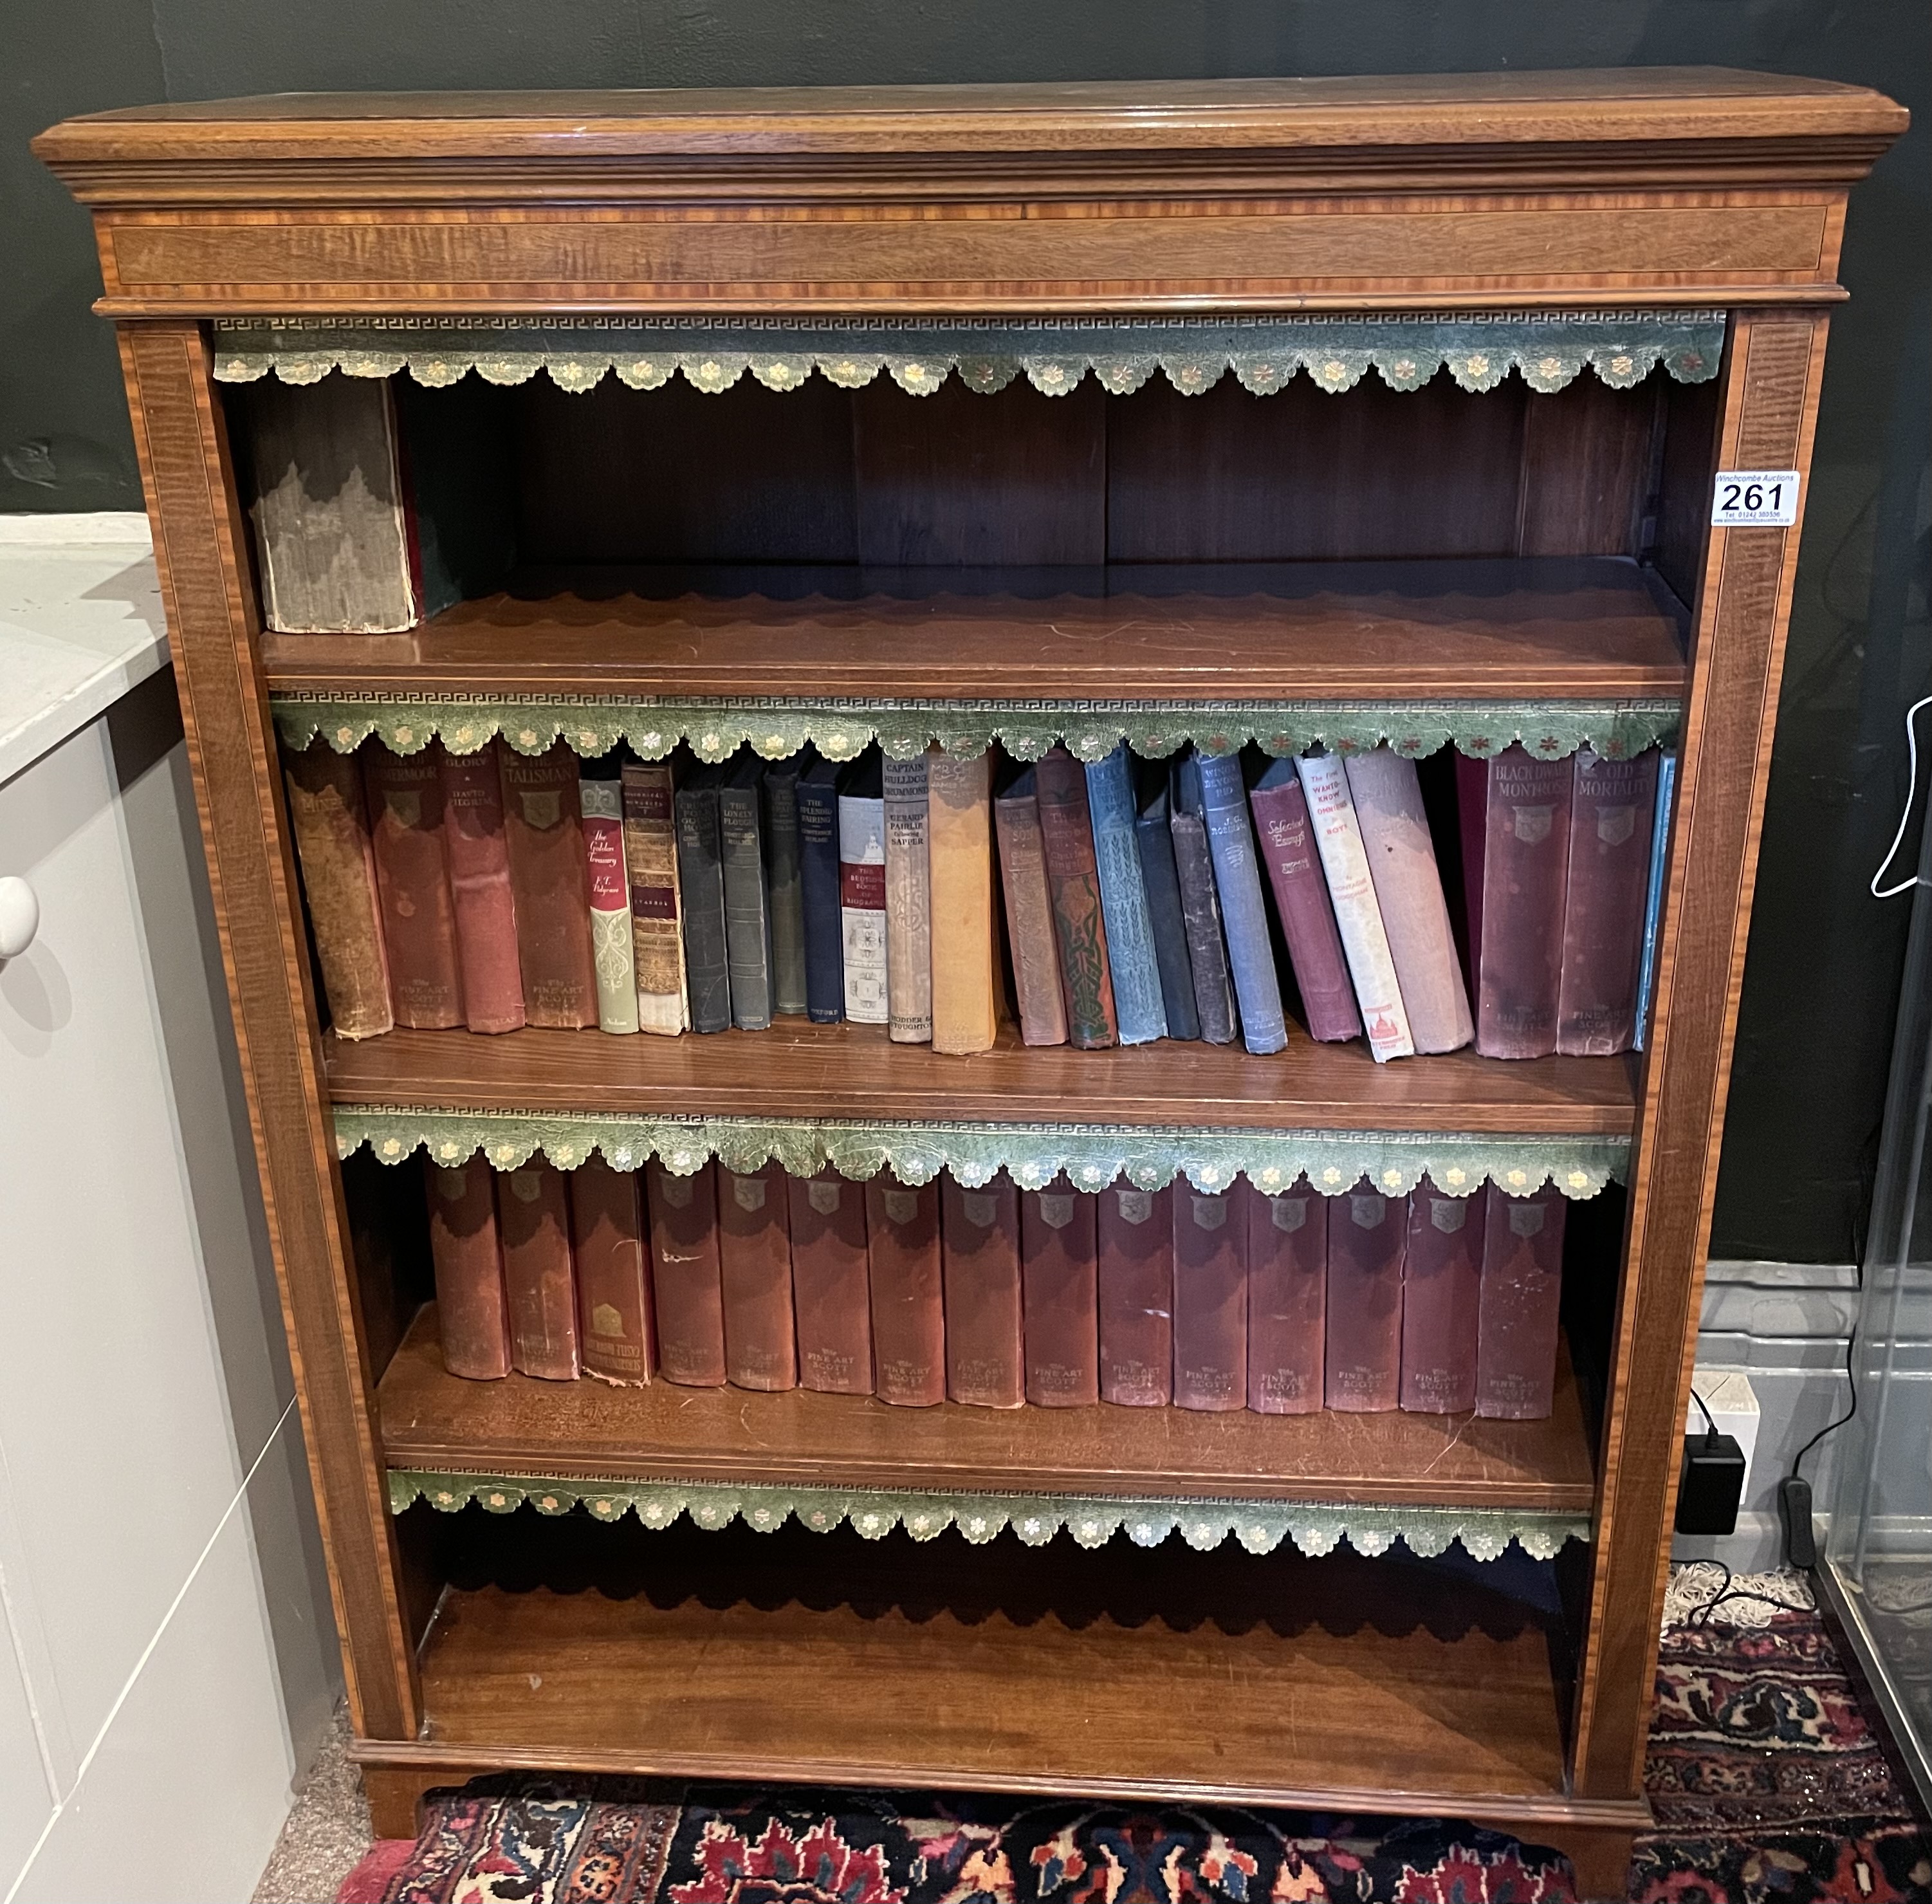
(1748, 498)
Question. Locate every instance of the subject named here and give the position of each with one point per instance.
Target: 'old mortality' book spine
(755, 1263)
(533, 1213)
(412, 879)
(472, 1311)
(614, 1295)
(908, 1303)
(657, 927)
(687, 1292)
(479, 886)
(831, 1292)
(980, 1244)
(613, 944)
(1288, 1278)
(543, 827)
(1057, 1246)
(959, 853)
(1135, 1285)
(331, 824)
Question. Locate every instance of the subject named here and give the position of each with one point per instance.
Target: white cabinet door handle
(20, 916)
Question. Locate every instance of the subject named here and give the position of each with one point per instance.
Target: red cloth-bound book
(1288, 1276)
(533, 1210)
(550, 880)
(1211, 1300)
(908, 1302)
(1611, 805)
(1522, 1293)
(1057, 1245)
(614, 1287)
(1441, 1280)
(1366, 1231)
(687, 1295)
(979, 1245)
(830, 1291)
(1136, 1295)
(754, 1264)
(479, 884)
(412, 878)
(472, 1312)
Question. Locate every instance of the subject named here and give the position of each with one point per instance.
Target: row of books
(998, 1297)
(493, 889)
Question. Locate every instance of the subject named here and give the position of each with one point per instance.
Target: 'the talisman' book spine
(471, 1310)
(1394, 828)
(1522, 1301)
(980, 1244)
(700, 881)
(908, 903)
(862, 894)
(614, 1295)
(412, 879)
(1201, 911)
(1211, 1300)
(1367, 1232)
(1073, 881)
(1515, 812)
(818, 882)
(687, 1290)
(1058, 1251)
(657, 926)
(960, 859)
(1029, 914)
(1153, 841)
(613, 944)
(1653, 903)
(1135, 1279)
(1441, 1283)
(1133, 964)
(479, 887)
(1358, 916)
(331, 824)
(1231, 841)
(534, 1215)
(544, 829)
(786, 890)
(831, 1292)
(1287, 1282)
(747, 919)
(754, 1261)
(1302, 904)
(908, 1302)
(1611, 805)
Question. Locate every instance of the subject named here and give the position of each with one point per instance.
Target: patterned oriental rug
(1768, 1784)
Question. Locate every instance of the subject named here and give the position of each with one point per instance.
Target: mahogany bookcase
(1490, 237)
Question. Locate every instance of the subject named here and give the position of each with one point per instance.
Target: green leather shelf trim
(1092, 1155)
(1090, 729)
(1315, 1528)
(1547, 349)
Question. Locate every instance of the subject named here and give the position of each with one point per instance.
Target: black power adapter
(1712, 1482)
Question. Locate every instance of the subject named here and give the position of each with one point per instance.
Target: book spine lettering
(1288, 1281)
(818, 883)
(1612, 805)
(1230, 845)
(1200, 919)
(614, 1295)
(1442, 1282)
(1058, 1244)
(1366, 1233)
(965, 964)
(861, 907)
(543, 829)
(412, 879)
(831, 1291)
(1030, 921)
(330, 821)
(534, 1216)
(1306, 914)
(687, 1291)
(787, 892)
(979, 1246)
(612, 944)
(473, 1312)
(908, 915)
(1136, 1295)
(755, 1262)
(657, 925)
(1132, 964)
(1210, 1301)
(479, 890)
(1517, 1326)
(908, 1305)
(700, 879)
(1073, 882)
(748, 924)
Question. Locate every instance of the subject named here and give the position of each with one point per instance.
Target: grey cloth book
(701, 879)
(783, 884)
(748, 917)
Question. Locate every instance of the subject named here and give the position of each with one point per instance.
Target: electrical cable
(1830, 1428)
(1710, 1421)
(1911, 794)
(1700, 1614)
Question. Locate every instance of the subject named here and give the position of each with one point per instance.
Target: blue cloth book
(1231, 842)
(1159, 875)
(818, 879)
(1660, 848)
(1138, 1005)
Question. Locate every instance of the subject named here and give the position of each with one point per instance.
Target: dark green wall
(1825, 957)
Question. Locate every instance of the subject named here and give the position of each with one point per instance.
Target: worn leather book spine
(965, 962)
(1366, 1233)
(330, 821)
(701, 880)
(533, 1213)
(1201, 914)
(979, 1245)
(687, 1291)
(405, 793)
(1515, 812)
(1231, 842)
(1073, 883)
(1134, 1278)
(1518, 1317)
(908, 903)
(479, 890)
(1154, 842)
(657, 923)
(1302, 904)
(613, 1291)
(548, 876)
(818, 886)
(755, 1262)
(748, 918)
(1133, 964)
(784, 891)
(862, 896)
(1358, 916)
(908, 1303)
(1061, 1295)
(1287, 1286)
(1029, 914)
(1388, 799)
(473, 1311)
(1211, 1300)
(1612, 804)
(830, 1288)
(613, 943)
(1441, 1285)
(1653, 902)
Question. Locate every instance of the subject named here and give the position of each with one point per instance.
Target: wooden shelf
(572, 1430)
(800, 1070)
(1545, 628)
(823, 1658)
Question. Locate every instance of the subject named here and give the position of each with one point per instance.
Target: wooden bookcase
(1442, 546)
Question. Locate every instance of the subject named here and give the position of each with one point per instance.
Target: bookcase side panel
(1773, 367)
(212, 623)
